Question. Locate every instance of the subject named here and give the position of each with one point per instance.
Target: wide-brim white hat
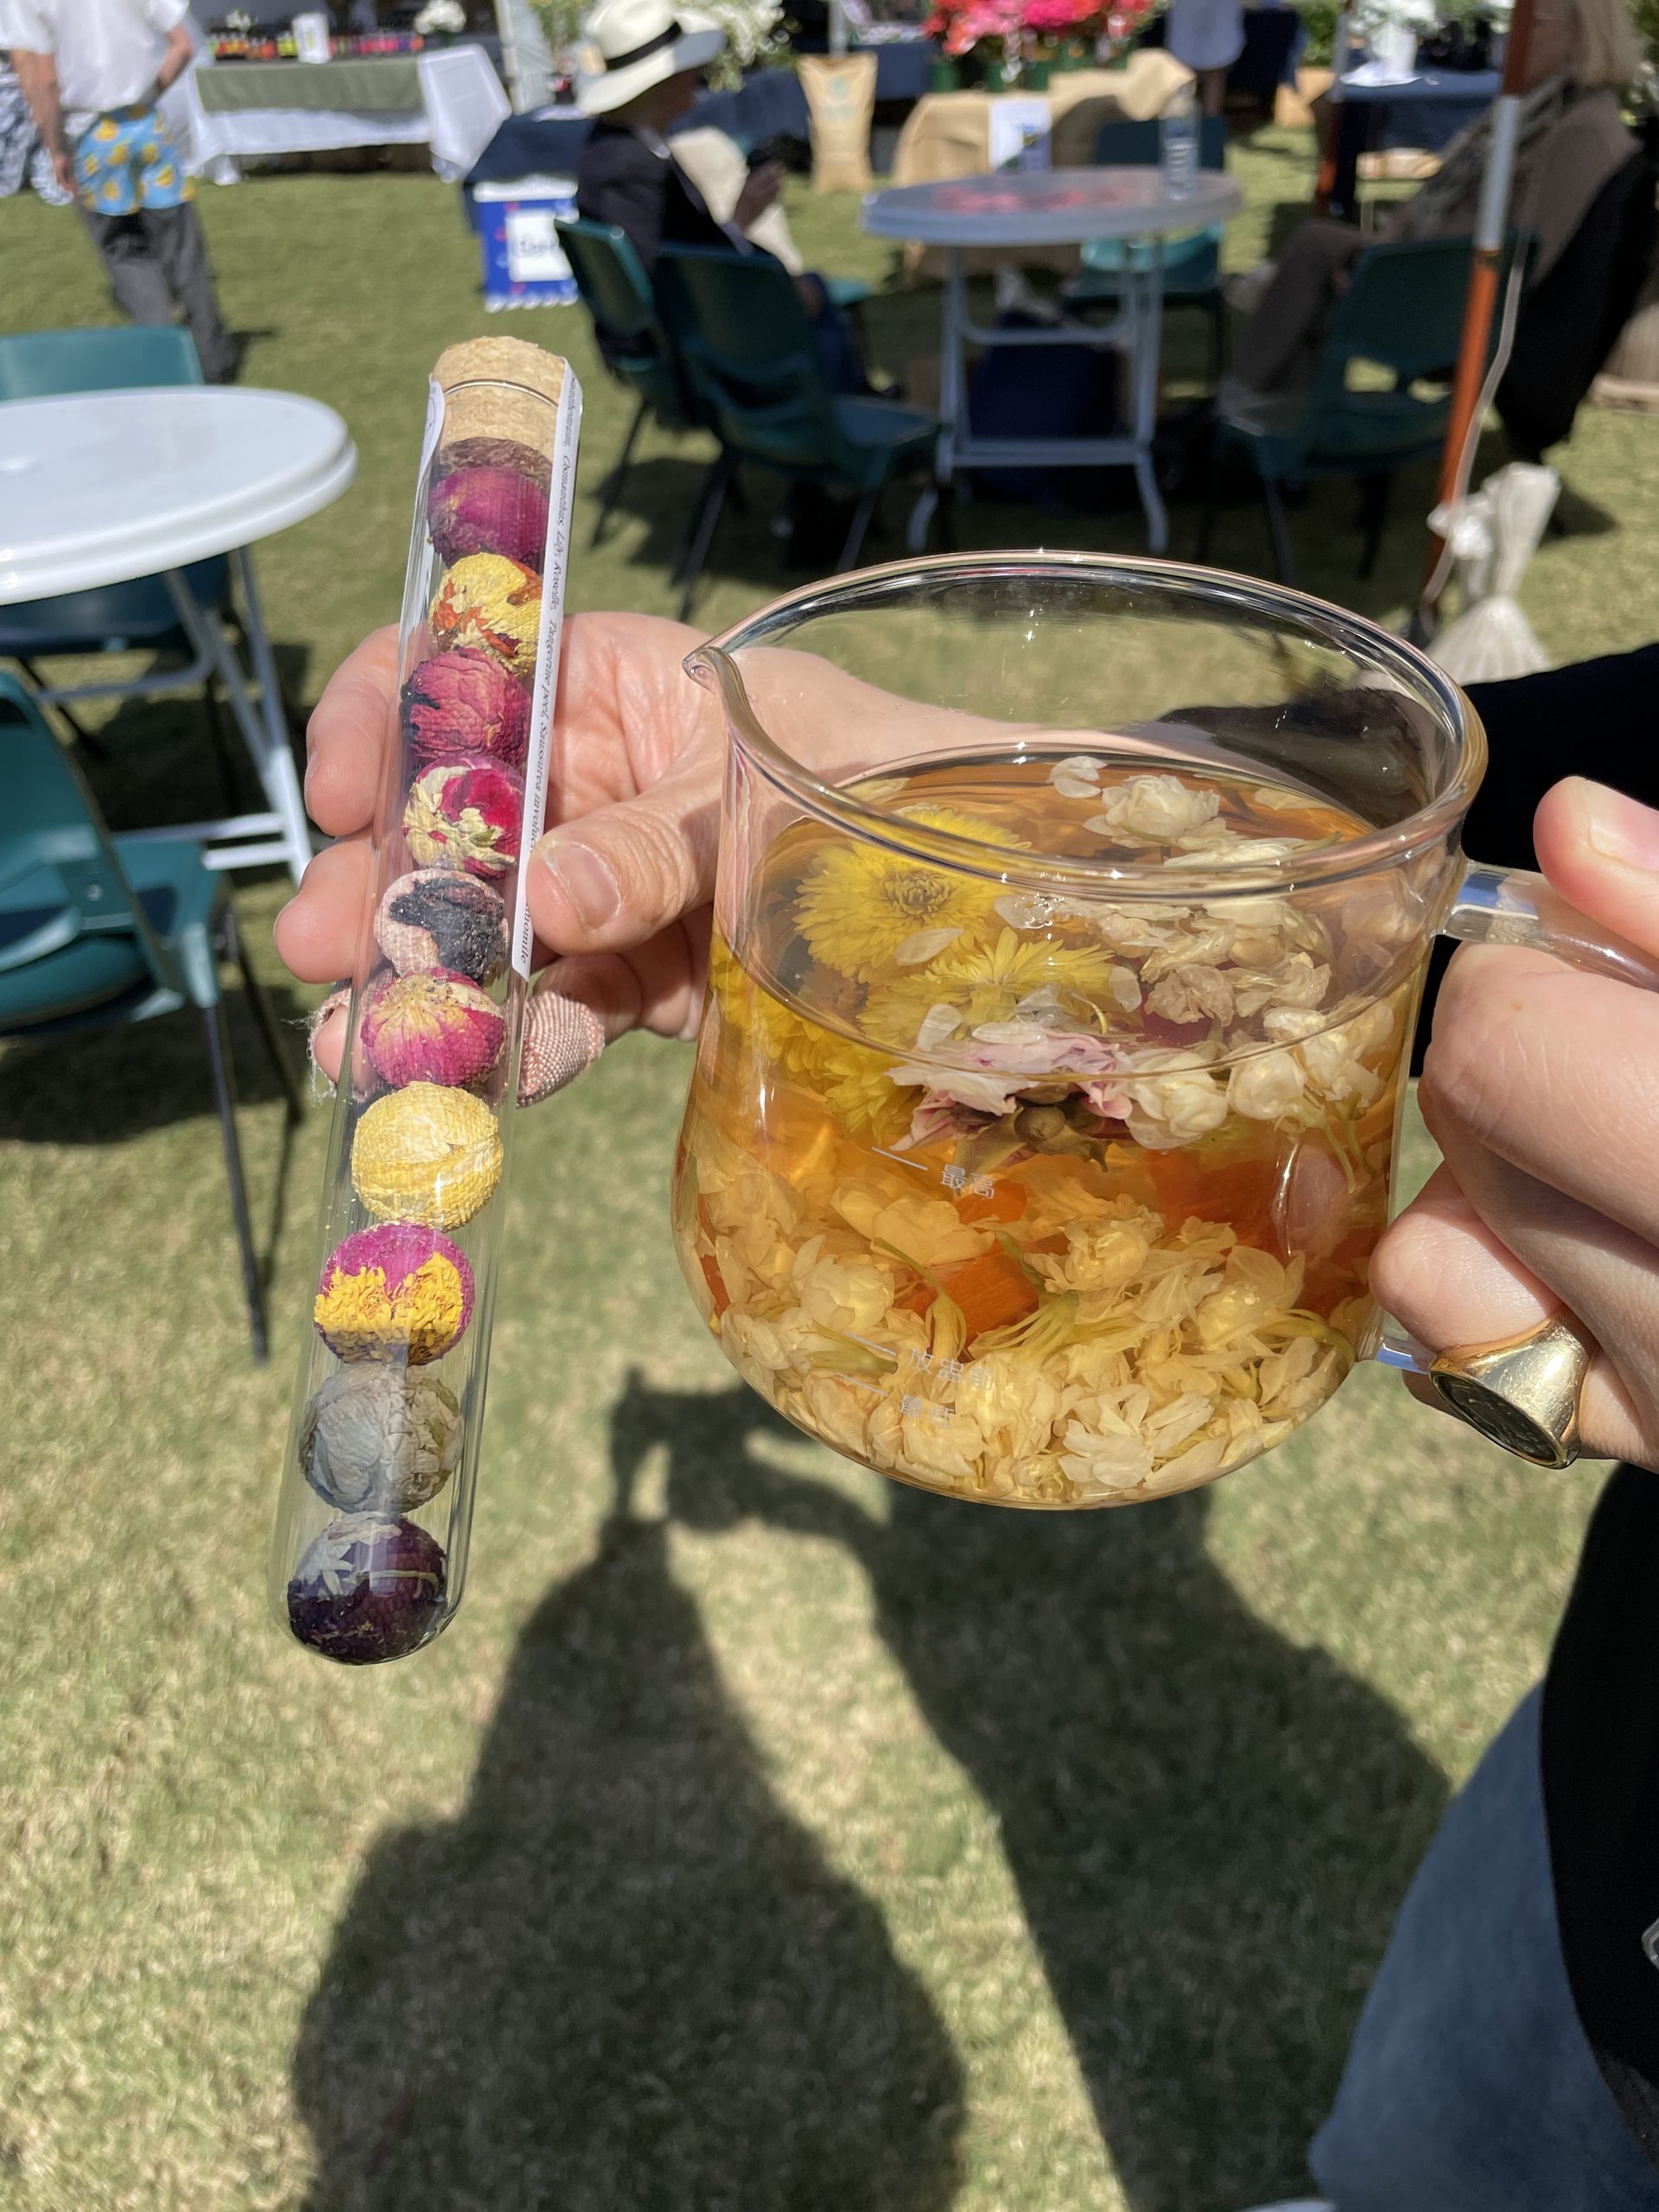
(628, 46)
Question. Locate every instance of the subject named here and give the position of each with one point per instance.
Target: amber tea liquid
(1046, 1203)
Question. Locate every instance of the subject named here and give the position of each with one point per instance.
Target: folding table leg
(286, 797)
(265, 734)
(1143, 301)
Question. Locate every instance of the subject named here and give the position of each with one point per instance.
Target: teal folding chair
(638, 351)
(1191, 275)
(44, 364)
(752, 356)
(97, 930)
(1401, 312)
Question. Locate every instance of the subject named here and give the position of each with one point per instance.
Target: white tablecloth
(465, 106)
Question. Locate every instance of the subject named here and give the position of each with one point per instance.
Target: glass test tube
(369, 1551)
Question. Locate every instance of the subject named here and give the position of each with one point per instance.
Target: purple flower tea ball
(432, 917)
(367, 1589)
(488, 511)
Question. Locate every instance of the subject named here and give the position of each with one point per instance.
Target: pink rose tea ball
(465, 814)
(432, 1027)
(465, 702)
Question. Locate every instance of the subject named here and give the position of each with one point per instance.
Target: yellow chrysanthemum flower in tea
(987, 983)
(860, 906)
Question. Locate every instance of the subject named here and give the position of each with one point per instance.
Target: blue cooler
(524, 263)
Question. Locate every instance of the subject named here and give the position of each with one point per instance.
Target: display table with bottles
(1057, 208)
(449, 98)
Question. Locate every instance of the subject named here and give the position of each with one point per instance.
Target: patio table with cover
(1046, 208)
(104, 487)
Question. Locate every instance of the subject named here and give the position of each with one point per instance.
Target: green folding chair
(97, 930)
(1401, 312)
(752, 356)
(638, 351)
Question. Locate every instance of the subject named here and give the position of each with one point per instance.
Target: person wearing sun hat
(639, 66)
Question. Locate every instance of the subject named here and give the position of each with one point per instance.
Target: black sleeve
(1600, 1762)
(620, 182)
(1594, 718)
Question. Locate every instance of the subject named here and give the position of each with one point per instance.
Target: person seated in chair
(1582, 56)
(641, 66)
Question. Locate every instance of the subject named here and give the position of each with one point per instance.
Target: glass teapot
(1072, 917)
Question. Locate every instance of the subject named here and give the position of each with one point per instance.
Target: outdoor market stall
(1425, 112)
(450, 99)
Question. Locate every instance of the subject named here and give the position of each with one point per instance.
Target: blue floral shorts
(126, 162)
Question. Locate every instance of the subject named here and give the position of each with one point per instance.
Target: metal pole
(837, 28)
(1331, 135)
(1492, 220)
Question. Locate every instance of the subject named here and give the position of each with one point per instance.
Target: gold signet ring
(1523, 1392)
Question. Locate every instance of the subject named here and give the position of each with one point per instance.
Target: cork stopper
(500, 390)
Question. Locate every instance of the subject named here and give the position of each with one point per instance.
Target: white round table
(104, 487)
(1056, 207)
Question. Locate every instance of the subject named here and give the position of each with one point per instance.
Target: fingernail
(1620, 828)
(585, 877)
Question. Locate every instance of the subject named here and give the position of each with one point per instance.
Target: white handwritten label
(561, 497)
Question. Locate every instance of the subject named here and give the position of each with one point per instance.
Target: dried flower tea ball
(397, 1291)
(488, 600)
(435, 1027)
(466, 702)
(368, 1588)
(433, 918)
(375, 1436)
(497, 453)
(465, 814)
(427, 1155)
(487, 510)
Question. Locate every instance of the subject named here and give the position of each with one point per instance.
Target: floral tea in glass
(1070, 924)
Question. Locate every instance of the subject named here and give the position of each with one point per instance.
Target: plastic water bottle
(1177, 144)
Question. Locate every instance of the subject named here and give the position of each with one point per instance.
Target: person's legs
(1276, 350)
(136, 283)
(843, 366)
(174, 236)
(1469, 2086)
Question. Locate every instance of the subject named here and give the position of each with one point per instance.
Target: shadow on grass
(106, 1086)
(625, 1979)
(1209, 1828)
(171, 759)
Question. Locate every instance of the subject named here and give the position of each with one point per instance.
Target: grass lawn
(762, 1836)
